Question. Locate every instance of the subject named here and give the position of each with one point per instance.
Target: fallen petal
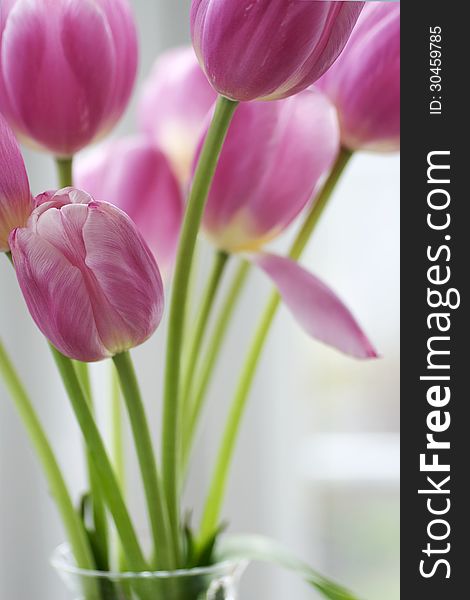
(316, 307)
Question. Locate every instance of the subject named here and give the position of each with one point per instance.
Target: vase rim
(61, 560)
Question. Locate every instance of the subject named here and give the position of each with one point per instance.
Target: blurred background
(317, 463)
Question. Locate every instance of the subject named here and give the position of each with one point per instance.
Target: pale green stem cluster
(202, 319)
(196, 398)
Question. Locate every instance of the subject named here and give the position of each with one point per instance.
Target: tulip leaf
(262, 549)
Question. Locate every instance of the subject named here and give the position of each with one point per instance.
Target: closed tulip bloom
(268, 49)
(364, 83)
(275, 156)
(16, 202)
(67, 69)
(136, 176)
(175, 100)
(89, 280)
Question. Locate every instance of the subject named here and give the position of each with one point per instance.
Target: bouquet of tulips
(238, 137)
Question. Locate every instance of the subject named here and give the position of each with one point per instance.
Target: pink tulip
(364, 83)
(136, 176)
(67, 68)
(269, 49)
(275, 156)
(16, 202)
(90, 282)
(174, 103)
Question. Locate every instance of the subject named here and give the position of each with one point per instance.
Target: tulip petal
(364, 83)
(54, 287)
(16, 203)
(174, 103)
(316, 307)
(135, 176)
(124, 34)
(93, 67)
(63, 230)
(88, 278)
(126, 274)
(275, 156)
(268, 49)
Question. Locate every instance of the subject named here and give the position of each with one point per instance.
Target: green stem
(73, 525)
(193, 284)
(117, 449)
(109, 485)
(117, 432)
(100, 522)
(216, 493)
(146, 455)
(211, 356)
(201, 184)
(220, 262)
(64, 171)
(84, 377)
(304, 235)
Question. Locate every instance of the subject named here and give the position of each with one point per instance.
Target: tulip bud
(274, 157)
(136, 176)
(269, 49)
(174, 103)
(67, 69)
(16, 202)
(89, 280)
(364, 83)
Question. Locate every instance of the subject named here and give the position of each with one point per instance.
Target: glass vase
(219, 582)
